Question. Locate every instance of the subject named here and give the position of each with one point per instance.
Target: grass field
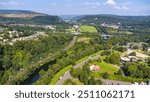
(84, 39)
(111, 69)
(70, 30)
(104, 67)
(90, 29)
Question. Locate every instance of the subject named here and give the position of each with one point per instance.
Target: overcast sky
(63, 7)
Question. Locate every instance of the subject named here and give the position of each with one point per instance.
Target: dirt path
(72, 43)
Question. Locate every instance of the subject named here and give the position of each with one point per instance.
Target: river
(35, 76)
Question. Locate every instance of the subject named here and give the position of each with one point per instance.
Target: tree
(120, 49)
(1, 49)
(5, 77)
(119, 72)
(107, 59)
(99, 60)
(6, 62)
(145, 47)
(135, 47)
(69, 82)
(83, 77)
(72, 71)
(148, 61)
(42, 72)
(99, 82)
(114, 58)
(133, 54)
(92, 81)
(56, 68)
(105, 75)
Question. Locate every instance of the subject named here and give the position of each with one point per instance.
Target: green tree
(135, 47)
(114, 58)
(99, 82)
(133, 54)
(148, 61)
(92, 81)
(42, 72)
(119, 72)
(105, 75)
(69, 82)
(6, 62)
(83, 77)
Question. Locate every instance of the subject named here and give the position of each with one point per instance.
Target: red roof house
(94, 68)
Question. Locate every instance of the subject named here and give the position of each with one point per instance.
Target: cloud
(125, 8)
(110, 2)
(93, 4)
(116, 5)
(11, 3)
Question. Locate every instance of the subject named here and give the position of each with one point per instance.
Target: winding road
(67, 74)
(72, 43)
(105, 81)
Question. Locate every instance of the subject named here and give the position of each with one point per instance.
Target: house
(110, 25)
(133, 58)
(125, 59)
(76, 28)
(12, 32)
(94, 68)
(105, 37)
(148, 50)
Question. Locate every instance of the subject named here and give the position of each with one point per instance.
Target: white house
(125, 59)
(148, 50)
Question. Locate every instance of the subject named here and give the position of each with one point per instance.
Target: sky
(80, 7)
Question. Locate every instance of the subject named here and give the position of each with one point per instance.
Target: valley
(42, 49)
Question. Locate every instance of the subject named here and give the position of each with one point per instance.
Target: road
(105, 81)
(71, 43)
(67, 74)
(114, 82)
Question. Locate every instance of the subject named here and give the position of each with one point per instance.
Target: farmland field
(90, 29)
(84, 39)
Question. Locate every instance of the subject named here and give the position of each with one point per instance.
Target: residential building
(94, 68)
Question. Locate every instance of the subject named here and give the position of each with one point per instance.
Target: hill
(141, 23)
(27, 17)
(15, 12)
(19, 14)
(71, 17)
(113, 19)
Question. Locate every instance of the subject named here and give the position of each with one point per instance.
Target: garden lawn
(104, 67)
(90, 29)
(84, 39)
